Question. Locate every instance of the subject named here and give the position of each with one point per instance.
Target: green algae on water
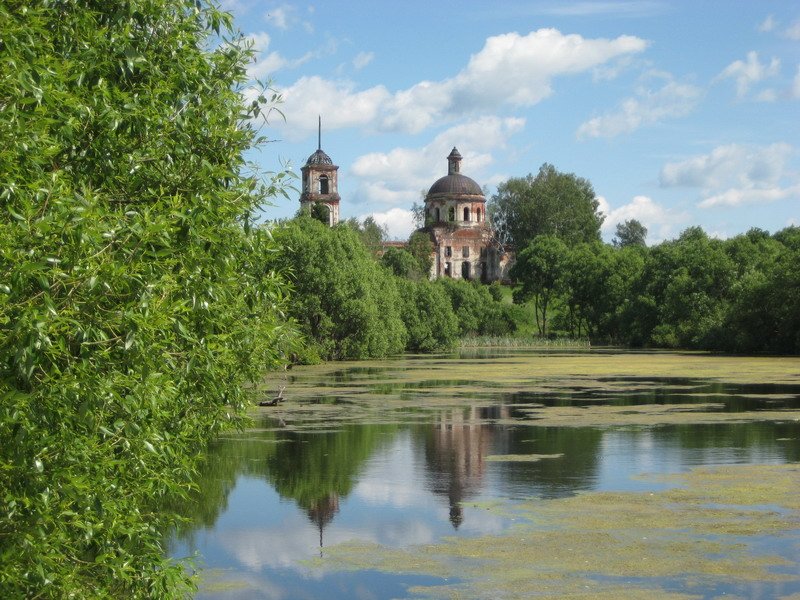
(693, 535)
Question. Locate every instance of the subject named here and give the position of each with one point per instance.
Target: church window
(465, 252)
(323, 184)
(448, 251)
(465, 274)
(451, 214)
(466, 213)
(438, 216)
(478, 214)
(447, 269)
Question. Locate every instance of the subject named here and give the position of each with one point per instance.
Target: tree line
(741, 294)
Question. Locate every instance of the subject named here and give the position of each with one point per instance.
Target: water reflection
(271, 498)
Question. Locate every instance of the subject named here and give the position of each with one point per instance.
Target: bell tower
(320, 182)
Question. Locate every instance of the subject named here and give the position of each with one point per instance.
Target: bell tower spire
(320, 183)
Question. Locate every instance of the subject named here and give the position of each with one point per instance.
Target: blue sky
(680, 113)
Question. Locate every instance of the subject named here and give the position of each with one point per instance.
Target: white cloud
(768, 24)
(649, 106)
(398, 222)
(338, 102)
(739, 165)
(280, 16)
(400, 177)
(793, 31)
(662, 223)
(749, 72)
(266, 63)
(768, 95)
(510, 69)
(737, 174)
(362, 59)
(737, 197)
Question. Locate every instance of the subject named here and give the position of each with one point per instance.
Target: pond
(509, 474)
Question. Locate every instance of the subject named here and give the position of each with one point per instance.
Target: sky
(679, 113)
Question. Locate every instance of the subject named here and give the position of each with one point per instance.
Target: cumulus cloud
(400, 177)
(398, 222)
(736, 174)
(340, 103)
(748, 72)
(736, 197)
(647, 107)
(662, 223)
(738, 165)
(510, 69)
(266, 63)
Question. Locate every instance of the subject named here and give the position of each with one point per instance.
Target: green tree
(401, 263)
(428, 316)
(539, 272)
(684, 293)
(345, 303)
(371, 233)
(321, 213)
(630, 233)
(421, 248)
(135, 301)
(552, 203)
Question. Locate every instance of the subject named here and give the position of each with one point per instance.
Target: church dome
(319, 158)
(456, 183)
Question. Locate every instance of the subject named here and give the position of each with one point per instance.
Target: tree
(420, 247)
(683, 294)
(321, 213)
(552, 203)
(345, 303)
(401, 263)
(135, 301)
(428, 315)
(630, 233)
(539, 272)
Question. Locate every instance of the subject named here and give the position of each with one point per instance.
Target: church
(464, 244)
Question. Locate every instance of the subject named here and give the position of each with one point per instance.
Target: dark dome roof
(319, 158)
(456, 183)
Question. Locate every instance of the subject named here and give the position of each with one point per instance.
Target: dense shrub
(135, 303)
(345, 303)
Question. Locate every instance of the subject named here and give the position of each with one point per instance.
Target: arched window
(466, 213)
(438, 216)
(478, 214)
(451, 214)
(323, 184)
(465, 274)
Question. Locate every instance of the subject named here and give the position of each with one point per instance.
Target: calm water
(279, 495)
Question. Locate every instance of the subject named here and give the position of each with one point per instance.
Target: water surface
(393, 455)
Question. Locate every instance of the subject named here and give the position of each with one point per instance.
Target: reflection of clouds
(393, 478)
(388, 493)
(285, 547)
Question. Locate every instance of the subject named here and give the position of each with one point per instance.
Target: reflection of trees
(760, 438)
(455, 448)
(552, 477)
(315, 469)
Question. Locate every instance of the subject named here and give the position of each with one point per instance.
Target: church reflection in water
(456, 446)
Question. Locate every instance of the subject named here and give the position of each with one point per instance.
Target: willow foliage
(135, 303)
